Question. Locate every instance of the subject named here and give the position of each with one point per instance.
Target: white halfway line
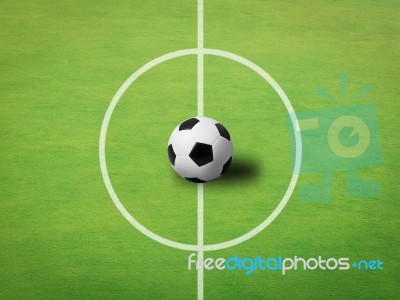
(200, 240)
(200, 113)
(200, 58)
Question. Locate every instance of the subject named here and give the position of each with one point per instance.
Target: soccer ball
(200, 149)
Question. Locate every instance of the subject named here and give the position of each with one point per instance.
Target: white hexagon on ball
(200, 149)
(182, 140)
(205, 131)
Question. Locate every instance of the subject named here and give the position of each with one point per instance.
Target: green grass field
(62, 62)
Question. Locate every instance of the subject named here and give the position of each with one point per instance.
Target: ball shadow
(241, 170)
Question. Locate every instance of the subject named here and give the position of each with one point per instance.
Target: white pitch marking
(103, 136)
(200, 240)
(200, 113)
(200, 51)
(200, 58)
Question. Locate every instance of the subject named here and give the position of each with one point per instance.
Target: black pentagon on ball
(194, 179)
(201, 154)
(188, 124)
(171, 155)
(223, 132)
(226, 165)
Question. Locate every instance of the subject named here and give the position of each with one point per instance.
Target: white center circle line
(113, 194)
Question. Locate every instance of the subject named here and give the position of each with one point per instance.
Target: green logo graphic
(339, 139)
